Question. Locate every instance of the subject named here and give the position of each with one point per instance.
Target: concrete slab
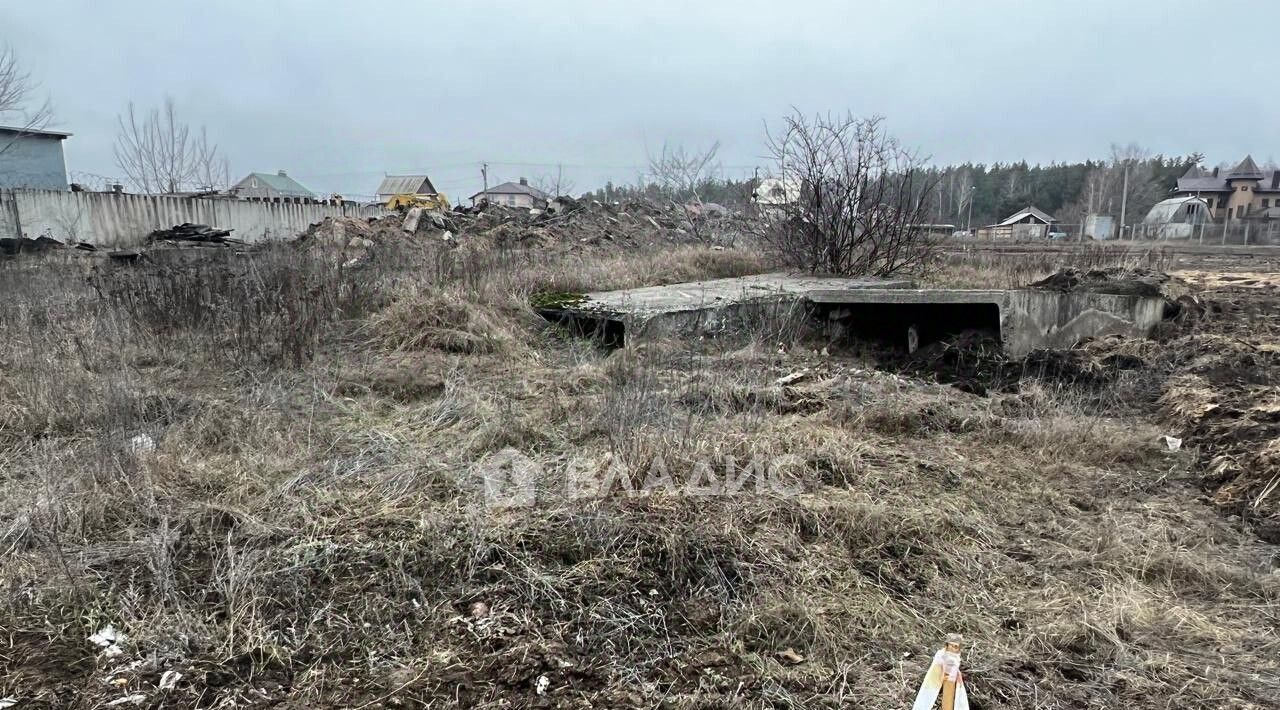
(701, 307)
(1023, 319)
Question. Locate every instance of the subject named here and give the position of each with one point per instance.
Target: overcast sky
(339, 93)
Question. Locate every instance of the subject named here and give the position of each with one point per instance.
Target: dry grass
(310, 531)
(985, 265)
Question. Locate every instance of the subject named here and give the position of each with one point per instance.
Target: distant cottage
(513, 194)
(32, 159)
(393, 185)
(1027, 223)
(265, 186)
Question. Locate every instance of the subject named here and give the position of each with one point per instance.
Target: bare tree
(863, 198)
(212, 170)
(554, 185)
(680, 174)
(158, 153)
(18, 105)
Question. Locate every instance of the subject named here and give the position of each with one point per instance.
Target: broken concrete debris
(564, 221)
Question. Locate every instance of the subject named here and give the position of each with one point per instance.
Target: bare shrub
(273, 307)
(862, 202)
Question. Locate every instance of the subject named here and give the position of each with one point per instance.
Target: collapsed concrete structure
(888, 310)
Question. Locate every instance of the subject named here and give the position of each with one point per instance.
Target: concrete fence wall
(118, 220)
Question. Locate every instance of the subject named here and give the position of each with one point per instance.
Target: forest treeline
(1068, 191)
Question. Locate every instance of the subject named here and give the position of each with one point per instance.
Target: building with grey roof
(32, 159)
(513, 194)
(1243, 192)
(266, 186)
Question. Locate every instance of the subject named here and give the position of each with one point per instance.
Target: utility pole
(484, 172)
(969, 225)
(1124, 198)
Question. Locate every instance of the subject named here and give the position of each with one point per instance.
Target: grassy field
(266, 474)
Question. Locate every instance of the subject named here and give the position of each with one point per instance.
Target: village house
(265, 186)
(1243, 192)
(513, 194)
(1027, 223)
(393, 185)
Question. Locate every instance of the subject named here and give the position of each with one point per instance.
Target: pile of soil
(975, 362)
(1123, 282)
(1217, 368)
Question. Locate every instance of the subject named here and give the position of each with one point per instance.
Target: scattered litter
(8, 702)
(108, 640)
(790, 657)
(1172, 443)
(792, 378)
(142, 444)
(135, 699)
(169, 680)
(542, 685)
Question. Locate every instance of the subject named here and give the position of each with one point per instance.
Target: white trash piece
(142, 444)
(108, 641)
(1172, 443)
(169, 680)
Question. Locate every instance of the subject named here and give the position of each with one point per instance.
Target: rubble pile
(565, 221)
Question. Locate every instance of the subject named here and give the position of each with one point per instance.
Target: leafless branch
(681, 173)
(18, 107)
(861, 202)
(158, 154)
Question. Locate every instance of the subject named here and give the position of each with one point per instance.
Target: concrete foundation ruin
(886, 310)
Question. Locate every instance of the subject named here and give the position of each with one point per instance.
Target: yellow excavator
(427, 202)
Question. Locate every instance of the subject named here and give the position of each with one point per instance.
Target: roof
(1025, 212)
(1170, 210)
(406, 185)
(282, 184)
(1247, 169)
(1197, 179)
(513, 188)
(35, 132)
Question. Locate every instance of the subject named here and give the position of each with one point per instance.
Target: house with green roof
(259, 186)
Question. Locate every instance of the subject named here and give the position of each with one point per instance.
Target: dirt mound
(1123, 282)
(1224, 399)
